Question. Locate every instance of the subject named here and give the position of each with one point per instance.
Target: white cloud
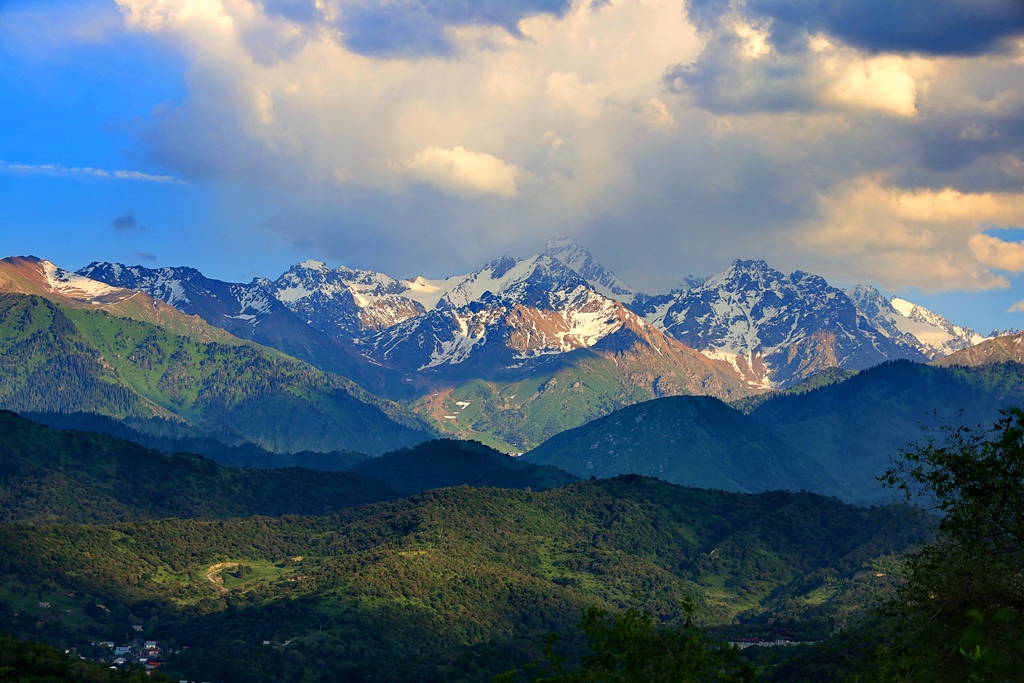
(888, 83)
(574, 125)
(57, 170)
(464, 172)
(930, 239)
(1017, 307)
(996, 253)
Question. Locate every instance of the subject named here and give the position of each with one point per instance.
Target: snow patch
(73, 285)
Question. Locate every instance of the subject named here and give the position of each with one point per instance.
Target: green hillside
(516, 412)
(47, 475)
(689, 440)
(172, 437)
(450, 585)
(445, 462)
(854, 428)
(73, 360)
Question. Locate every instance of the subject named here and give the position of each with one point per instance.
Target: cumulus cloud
(935, 27)
(463, 172)
(996, 253)
(435, 133)
(924, 238)
(740, 71)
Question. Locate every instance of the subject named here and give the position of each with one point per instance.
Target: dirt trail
(214, 577)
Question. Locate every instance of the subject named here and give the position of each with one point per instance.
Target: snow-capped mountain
(348, 302)
(516, 309)
(248, 311)
(234, 307)
(909, 323)
(774, 328)
(516, 315)
(769, 328)
(597, 276)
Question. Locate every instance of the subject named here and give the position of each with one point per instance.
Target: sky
(863, 140)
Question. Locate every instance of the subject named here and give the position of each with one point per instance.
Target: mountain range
(72, 344)
(524, 348)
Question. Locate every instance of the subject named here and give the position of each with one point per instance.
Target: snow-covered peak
(908, 322)
(311, 264)
(73, 285)
(582, 261)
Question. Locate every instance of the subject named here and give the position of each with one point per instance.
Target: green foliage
(28, 662)
(517, 413)
(73, 360)
(688, 440)
(823, 378)
(633, 646)
(961, 614)
(453, 584)
(444, 462)
(47, 475)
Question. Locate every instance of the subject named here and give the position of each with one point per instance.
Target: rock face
(774, 329)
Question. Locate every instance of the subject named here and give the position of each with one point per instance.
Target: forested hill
(447, 462)
(451, 584)
(855, 428)
(689, 440)
(57, 359)
(47, 475)
(170, 436)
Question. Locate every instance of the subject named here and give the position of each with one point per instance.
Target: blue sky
(866, 141)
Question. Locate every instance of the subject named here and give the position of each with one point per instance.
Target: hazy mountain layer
(445, 462)
(177, 437)
(855, 428)
(689, 440)
(50, 475)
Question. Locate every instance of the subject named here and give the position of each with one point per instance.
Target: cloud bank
(865, 139)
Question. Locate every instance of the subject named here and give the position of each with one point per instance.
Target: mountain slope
(176, 437)
(688, 440)
(1008, 347)
(47, 476)
(444, 462)
(854, 428)
(32, 275)
(447, 584)
(773, 328)
(57, 359)
(248, 311)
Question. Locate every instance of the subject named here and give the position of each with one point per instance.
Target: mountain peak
(560, 243)
(586, 266)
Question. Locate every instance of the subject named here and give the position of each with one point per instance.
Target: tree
(960, 616)
(633, 647)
